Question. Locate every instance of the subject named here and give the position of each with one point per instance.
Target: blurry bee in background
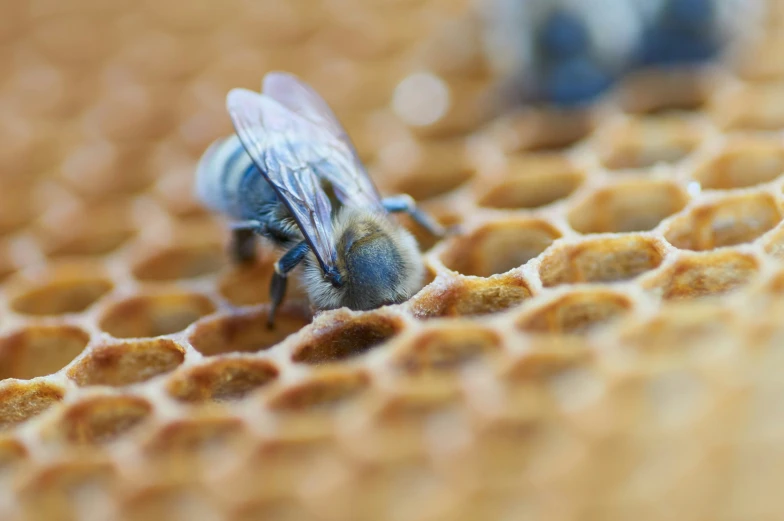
(684, 32)
(561, 52)
(291, 174)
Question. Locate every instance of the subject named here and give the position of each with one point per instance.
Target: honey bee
(291, 174)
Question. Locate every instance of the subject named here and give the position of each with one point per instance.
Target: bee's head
(378, 264)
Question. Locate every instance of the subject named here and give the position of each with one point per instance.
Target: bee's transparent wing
(344, 171)
(280, 146)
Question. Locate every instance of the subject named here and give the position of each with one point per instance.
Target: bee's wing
(281, 146)
(345, 171)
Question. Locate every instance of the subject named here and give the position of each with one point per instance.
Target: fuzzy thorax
(378, 260)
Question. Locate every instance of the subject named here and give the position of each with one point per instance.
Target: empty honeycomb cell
(20, 401)
(69, 289)
(154, 315)
(705, 274)
(646, 142)
(743, 162)
(193, 434)
(248, 285)
(470, 297)
(445, 348)
(548, 356)
(246, 332)
(101, 419)
(662, 90)
(179, 263)
(222, 379)
(756, 106)
(321, 389)
(347, 338)
(541, 129)
(424, 170)
(442, 212)
(576, 312)
(498, 247)
(531, 188)
(127, 363)
(630, 206)
(169, 501)
(736, 219)
(603, 259)
(40, 350)
(100, 169)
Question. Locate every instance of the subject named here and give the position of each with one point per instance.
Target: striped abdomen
(227, 181)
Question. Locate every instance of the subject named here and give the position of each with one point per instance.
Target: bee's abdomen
(227, 181)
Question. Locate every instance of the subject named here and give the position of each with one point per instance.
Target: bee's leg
(405, 203)
(283, 266)
(243, 241)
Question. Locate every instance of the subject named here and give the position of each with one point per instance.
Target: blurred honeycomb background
(600, 342)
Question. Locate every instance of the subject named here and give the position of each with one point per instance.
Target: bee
(291, 175)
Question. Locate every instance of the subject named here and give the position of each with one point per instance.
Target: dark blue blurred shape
(682, 32)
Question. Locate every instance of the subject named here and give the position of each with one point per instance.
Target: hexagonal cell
(470, 297)
(193, 434)
(732, 220)
(154, 315)
(68, 289)
(100, 419)
(22, 400)
(40, 350)
(660, 90)
(444, 214)
(347, 338)
(498, 247)
(631, 206)
(539, 129)
(446, 348)
(753, 107)
(179, 263)
(743, 162)
(323, 388)
(645, 142)
(705, 274)
(127, 363)
(247, 332)
(526, 187)
(575, 312)
(548, 356)
(424, 170)
(609, 259)
(222, 379)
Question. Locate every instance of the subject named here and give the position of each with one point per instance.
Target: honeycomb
(599, 342)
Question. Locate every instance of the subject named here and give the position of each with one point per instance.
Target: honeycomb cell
(531, 187)
(753, 107)
(11, 452)
(347, 338)
(179, 263)
(575, 312)
(101, 419)
(705, 274)
(546, 357)
(221, 379)
(277, 509)
(606, 259)
(728, 221)
(193, 434)
(630, 206)
(470, 297)
(245, 285)
(742, 163)
(646, 142)
(127, 363)
(498, 247)
(324, 388)
(541, 129)
(659, 91)
(245, 333)
(62, 292)
(424, 170)
(40, 350)
(445, 348)
(17, 209)
(20, 401)
(154, 315)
